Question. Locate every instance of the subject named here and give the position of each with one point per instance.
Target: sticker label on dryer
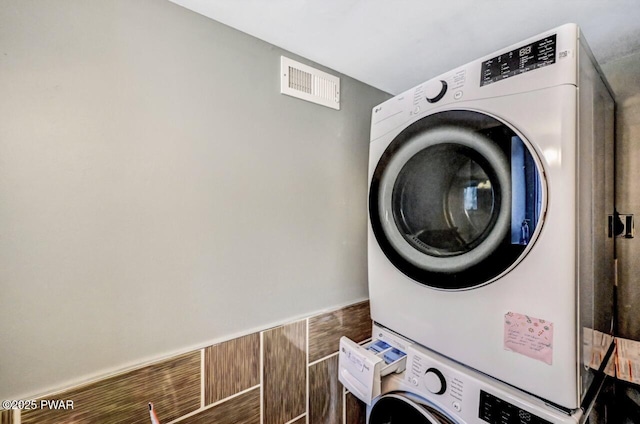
(528, 336)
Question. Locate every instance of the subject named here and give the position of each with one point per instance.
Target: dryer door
(398, 409)
(456, 199)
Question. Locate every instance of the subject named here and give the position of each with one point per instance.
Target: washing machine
(435, 390)
(490, 215)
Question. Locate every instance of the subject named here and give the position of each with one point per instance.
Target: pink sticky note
(532, 337)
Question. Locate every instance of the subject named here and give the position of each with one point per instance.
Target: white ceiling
(396, 44)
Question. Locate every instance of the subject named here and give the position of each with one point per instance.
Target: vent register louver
(310, 84)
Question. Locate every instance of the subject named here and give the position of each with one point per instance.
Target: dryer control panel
(518, 61)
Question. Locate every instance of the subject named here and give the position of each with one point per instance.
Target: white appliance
(434, 389)
(490, 189)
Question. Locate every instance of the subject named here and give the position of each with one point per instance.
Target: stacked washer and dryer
(491, 258)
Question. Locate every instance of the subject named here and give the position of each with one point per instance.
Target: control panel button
(457, 95)
(456, 405)
(435, 90)
(435, 381)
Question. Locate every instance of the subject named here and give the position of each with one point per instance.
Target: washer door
(456, 199)
(397, 409)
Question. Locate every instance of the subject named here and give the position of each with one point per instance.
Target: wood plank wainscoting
(282, 375)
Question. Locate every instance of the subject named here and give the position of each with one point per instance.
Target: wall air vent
(307, 83)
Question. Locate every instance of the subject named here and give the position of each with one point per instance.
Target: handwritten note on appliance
(528, 336)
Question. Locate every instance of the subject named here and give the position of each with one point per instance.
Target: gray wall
(157, 193)
(624, 78)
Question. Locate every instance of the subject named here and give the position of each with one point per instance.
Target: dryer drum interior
(456, 199)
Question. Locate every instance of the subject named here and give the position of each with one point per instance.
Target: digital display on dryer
(523, 59)
(497, 411)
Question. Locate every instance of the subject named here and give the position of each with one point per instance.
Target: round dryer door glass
(456, 199)
(397, 409)
(454, 179)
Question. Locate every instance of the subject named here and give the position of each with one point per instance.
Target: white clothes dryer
(435, 390)
(490, 189)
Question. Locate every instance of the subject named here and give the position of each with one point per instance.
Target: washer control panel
(434, 382)
(463, 394)
(495, 410)
(466, 396)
